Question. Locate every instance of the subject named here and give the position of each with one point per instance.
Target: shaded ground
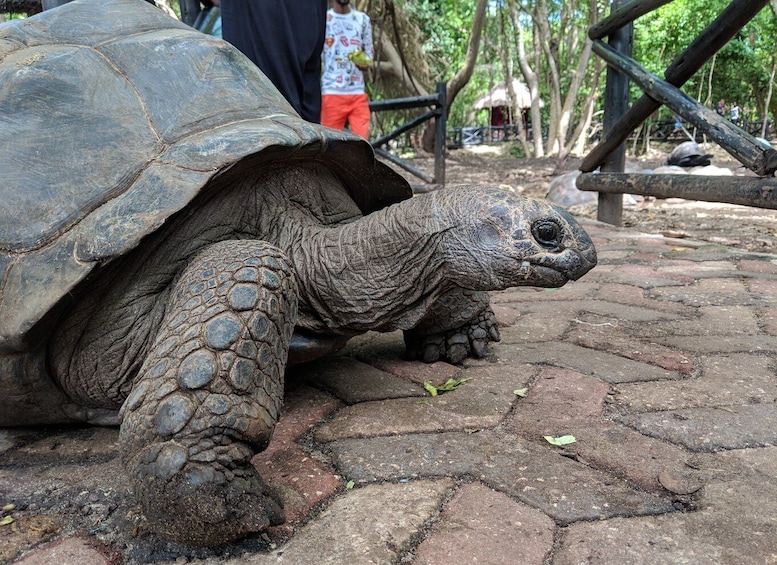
(741, 227)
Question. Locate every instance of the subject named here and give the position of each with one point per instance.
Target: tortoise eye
(547, 233)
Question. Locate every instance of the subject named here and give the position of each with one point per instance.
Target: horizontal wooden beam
(746, 191)
(404, 103)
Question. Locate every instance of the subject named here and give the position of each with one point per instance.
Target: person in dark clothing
(284, 38)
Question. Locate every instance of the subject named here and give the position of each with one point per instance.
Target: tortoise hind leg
(209, 394)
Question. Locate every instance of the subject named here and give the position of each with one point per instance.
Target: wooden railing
(437, 110)
(620, 121)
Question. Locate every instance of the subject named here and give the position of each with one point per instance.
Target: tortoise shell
(113, 117)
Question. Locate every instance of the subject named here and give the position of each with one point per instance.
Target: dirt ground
(741, 227)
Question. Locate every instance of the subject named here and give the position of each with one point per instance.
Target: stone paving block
(730, 528)
(660, 540)
(764, 290)
(373, 524)
(713, 428)
(756, 463)
(481, 402)
(353, 381)
(536, 475)
(634, 296)
(303, 407)
(505, 315)
(645, 277)
(302, 481)
(559, 396)
(68, 551)
(711, 321)
(481, 526)
(700, 268)
(570, 309)
(720, 343)
(724, 380)
(709, 292)
(573, 290)
(538, 326)
(766, 265)
(767, 317)
(655, 466)
(416, 371)
(742, 516)
(609, 334)
(603, 365)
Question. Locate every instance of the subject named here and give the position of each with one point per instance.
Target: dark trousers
(284, 38)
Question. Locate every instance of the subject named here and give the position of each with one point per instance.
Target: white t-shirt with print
(345, 33)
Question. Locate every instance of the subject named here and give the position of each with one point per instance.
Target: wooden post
(440, 133)
(616, 101)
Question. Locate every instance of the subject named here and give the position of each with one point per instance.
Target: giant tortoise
(171, 232)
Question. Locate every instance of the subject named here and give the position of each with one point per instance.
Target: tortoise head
(499, 240)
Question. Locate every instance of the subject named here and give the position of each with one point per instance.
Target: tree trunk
(532, 82)
(462, 76)
(769, 91)
(391, 63)
(507, 64)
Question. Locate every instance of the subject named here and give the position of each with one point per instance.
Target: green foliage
(741, 68)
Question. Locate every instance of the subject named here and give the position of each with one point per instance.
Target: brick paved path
(660, 362)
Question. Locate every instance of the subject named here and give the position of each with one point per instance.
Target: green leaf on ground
(349, 485)
(447, 386)
(451, 384)
(561, 440)
(522, 392)
(7, 520)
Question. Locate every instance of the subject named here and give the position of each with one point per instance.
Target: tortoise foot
(456, 344)
(203, 498)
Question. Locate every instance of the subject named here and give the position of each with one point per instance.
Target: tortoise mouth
(576, 264)
(547, 277)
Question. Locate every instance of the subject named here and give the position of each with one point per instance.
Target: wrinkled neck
(380, 272)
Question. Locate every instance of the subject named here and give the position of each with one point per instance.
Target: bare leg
(209, 394)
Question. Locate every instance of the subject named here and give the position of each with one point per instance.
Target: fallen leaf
(7, 520)
(522, 392)
(561, 440)
(349, 485)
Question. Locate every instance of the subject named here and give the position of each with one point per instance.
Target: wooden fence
(620, 120)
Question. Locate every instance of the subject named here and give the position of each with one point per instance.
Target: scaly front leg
(209, 394)
(459, 324)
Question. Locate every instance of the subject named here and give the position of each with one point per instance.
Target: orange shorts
(337, 109)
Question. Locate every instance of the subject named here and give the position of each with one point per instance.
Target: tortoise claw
(454, 345)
